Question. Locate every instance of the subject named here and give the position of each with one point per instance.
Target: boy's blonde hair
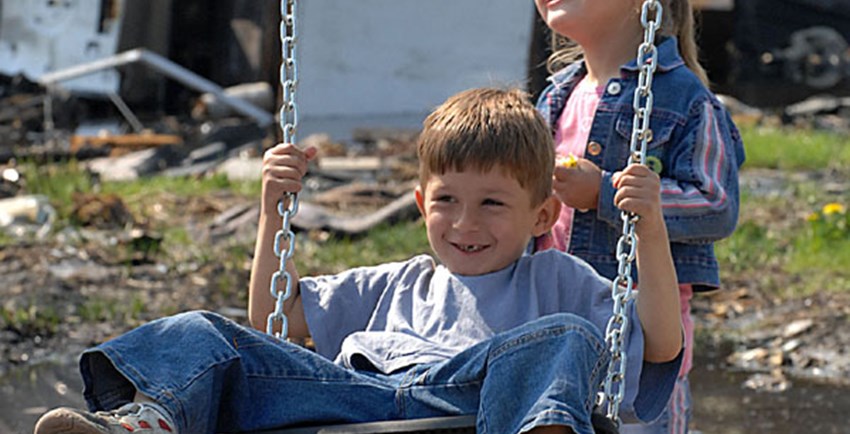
(678, 21)
(480, 129)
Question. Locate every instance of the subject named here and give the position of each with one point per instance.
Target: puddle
(26, 393)
(721, 404)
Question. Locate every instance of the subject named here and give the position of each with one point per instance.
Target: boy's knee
(561, 319)
(552, 429)
(560, 330)
(196, 318)
(565, 321)
(195, 323)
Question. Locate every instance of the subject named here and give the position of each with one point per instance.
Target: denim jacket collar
(668, 58)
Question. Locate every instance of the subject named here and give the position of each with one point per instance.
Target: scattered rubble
(27, 215)
(777, 340)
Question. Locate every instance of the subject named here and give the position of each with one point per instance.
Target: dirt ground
(81, 287)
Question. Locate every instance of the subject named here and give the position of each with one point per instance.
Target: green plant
(829, 224)
(31, 319)
(794, 148)
(381, 244)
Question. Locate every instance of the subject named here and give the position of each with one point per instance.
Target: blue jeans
(214, 375)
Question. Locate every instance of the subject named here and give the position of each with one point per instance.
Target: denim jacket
(696, 149)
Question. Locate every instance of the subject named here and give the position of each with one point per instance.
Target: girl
(695, 148)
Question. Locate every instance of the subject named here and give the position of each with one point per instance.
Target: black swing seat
(441, 425)
(431, 425)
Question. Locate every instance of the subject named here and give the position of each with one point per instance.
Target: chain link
(613, 389)
(287, 206)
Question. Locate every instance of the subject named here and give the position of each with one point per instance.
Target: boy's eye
(493, 202)
(444, 198)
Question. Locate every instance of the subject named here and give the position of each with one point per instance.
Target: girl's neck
(605, 55)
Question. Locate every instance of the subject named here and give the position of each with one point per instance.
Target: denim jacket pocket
(663, 126)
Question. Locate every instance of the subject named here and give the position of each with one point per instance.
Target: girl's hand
(576, 183)
(283, 168)
(639, 192)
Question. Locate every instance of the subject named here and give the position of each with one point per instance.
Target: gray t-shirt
(403, 313)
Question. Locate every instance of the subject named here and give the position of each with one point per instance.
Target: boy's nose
(467, 220)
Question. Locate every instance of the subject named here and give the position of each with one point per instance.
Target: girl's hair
(486, 128)
(678, 21)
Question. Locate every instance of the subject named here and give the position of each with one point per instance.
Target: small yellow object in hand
(568, 161)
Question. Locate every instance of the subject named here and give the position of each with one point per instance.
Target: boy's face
(480, 222)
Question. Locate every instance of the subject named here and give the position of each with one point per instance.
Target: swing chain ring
(613, 389)
(287, 206)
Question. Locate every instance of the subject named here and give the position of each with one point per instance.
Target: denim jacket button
(614, 88)
(594, 148)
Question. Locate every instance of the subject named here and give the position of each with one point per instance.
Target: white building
(389, 62)
(362, 63)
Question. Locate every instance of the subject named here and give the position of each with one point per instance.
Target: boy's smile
(480, 222)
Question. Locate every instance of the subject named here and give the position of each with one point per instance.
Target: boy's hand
(639, 192)
(576, 182)
(283, 168)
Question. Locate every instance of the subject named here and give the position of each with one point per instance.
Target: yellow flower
(833, 208)
(813, 217)
(568, 161)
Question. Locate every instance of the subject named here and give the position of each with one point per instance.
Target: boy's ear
(547, 215)
(420, 199)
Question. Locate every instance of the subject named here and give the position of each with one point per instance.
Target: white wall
(389, 62)
(37, 37)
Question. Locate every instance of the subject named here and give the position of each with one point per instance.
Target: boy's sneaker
(135, 417)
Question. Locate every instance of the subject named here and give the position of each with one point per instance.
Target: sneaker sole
(69, 421)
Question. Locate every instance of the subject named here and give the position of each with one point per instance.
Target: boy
(513, 338)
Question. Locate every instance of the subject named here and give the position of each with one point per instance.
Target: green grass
(59, 182)
(775, 247)
(106, 309)
(181, 186)
(794, 149)
(34, 318)
(381, 244)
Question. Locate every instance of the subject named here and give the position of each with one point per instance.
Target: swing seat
(435, 425)
(431, 425)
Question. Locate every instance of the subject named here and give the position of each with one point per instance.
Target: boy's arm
(658, 293)
(265, 264)
(283, 168)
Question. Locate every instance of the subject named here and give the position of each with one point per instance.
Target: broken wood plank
(311, 216)
(123, 143)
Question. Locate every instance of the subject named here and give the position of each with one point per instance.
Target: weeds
(33, 319)
(382, 244)
(795, 149)
(98, 309)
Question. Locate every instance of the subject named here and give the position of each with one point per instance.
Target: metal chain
(287, 206)
(613, 389)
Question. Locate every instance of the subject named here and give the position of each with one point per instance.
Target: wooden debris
(106, 211)
(124, 143)
(311, 216)
(348, 164)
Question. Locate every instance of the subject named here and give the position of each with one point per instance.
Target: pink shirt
(571, 134)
